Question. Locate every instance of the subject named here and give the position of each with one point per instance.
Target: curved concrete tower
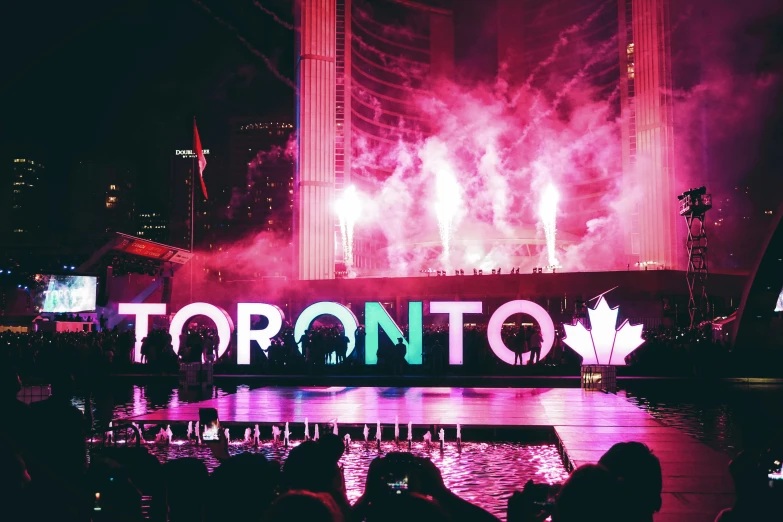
(315, 113)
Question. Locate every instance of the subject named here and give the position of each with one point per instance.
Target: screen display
(208, 417)
(65, 293)
(779, 304)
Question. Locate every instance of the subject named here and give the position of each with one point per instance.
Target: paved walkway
(696, 482)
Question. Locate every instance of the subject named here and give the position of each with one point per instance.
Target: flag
(202, 161)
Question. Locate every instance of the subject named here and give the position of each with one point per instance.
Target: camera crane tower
(694, 205)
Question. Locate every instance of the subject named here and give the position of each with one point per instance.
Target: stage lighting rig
(695, 201)
(694, 204)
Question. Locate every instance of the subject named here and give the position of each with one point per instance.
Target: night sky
(121, 80)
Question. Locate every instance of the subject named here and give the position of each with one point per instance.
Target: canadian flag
(202, 161)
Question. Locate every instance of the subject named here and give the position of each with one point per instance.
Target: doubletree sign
(377, 319)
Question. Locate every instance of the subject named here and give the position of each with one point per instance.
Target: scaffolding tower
(694, 205)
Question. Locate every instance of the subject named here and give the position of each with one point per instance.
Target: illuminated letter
(530, 308)
(455, 309)
(603, 343)
(375, 315)
(142, 311)
(342, 313)
(219, 316)
(263, 336)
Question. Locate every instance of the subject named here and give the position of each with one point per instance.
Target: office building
(261, 172)
(152, 224)
(26, 188)
(350, 93)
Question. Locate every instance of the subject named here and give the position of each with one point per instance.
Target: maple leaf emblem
(603, 343)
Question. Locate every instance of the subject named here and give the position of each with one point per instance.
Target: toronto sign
(603, 343)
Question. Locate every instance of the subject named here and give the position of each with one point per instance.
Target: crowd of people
(86, 355)
(91, 354)
(46, 479)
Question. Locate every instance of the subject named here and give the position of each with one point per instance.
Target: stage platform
(696, 482)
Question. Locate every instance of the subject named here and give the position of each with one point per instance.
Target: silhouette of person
(640, 471)
(342, 347)
(437, 358)
(520, 346)
(306, 340)
(536, 339)
(359, 335)
(400, 350)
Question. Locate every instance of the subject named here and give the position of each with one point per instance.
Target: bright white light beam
(547, 213)
(348, 207)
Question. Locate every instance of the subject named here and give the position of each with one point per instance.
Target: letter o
(219, 316)
(342, 313)
(495, 327)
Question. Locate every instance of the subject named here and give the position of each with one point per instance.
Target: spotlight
(461, 272)
(517, 270)
(437, 273)
(73, 268)
(493, 271)
(456, 272)
(540, 270)
(475, 272)
(481, 272)
(498, 271)
(535, 270)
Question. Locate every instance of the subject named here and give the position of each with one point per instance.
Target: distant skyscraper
(24, 222)
(101, 200)
(355, 87)
(182, 164)
(152, 225)
(316, 23)
(648, 129)
(261, 171)
(119, 207)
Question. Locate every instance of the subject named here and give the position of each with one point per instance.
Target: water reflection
(483, 473)
(727, 418)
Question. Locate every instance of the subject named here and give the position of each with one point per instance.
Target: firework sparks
(348, 210)
(547, 213)
(446, 204)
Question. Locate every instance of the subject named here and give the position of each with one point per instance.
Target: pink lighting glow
(219, 316)
(348, 208)
(456, 311)
(495, 327)
(142, 311)
(603, 343)
(342, 313)
(264, 336)
(547, 214)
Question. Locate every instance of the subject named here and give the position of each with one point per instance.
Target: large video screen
(65, 293)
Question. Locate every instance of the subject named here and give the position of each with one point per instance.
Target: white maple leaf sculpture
(603, 343)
